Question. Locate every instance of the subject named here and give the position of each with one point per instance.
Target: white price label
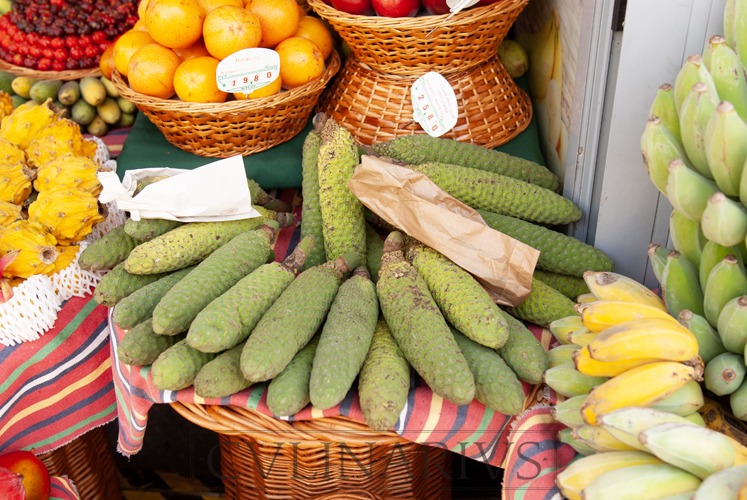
(247, 70)
(434, 104)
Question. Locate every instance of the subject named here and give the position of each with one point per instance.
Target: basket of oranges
(166, 65)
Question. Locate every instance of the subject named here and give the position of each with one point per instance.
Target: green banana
(725, 281)
(663, 107)
(724, 220)
(723, 485)
(709, 342)
(712, 254)
(728, 75)
(738, 401)
(732, 325)
(560, 328)
(687, 400)
(659, 146)
(657, 254)
(692, 72)
(726, 147)
(681, 287)
(687, 237)
(695, 418)
(566, 436)
(569, 411)
(566, 380)
(688, 191)
(696, 109)
(561, 354)
(725, 373)
(627, 423)
(641, 481)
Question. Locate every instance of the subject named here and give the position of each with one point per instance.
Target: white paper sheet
(214, 192)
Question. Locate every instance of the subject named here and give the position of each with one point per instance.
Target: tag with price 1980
(247, 70)
(434, 104)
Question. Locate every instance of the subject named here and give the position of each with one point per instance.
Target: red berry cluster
(58, 35)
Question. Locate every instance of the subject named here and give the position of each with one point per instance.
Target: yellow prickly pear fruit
(37, 249)
(10, 153)
(9, 213)
(64, 259)
(56, 139)
(15, 183)
(68, 213)
(6, 104)
(70, 171)
(21, 126)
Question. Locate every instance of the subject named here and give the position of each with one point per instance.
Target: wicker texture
(377, 107)
(89, 463)
(263, 458)
(73, 74)
(235, 127)
(350, 495)
(417, 45)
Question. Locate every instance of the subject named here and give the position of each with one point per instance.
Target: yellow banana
(588, 366)
(581, 337)
(645, 338)
(627, 423)
(560, 328)
(561, 354)
(586, 298)
(599, 439)
(613, 286)
(642, 386)
(641, 481)
(564, 436)
(604, 314)
(580, 474)
(742, 493)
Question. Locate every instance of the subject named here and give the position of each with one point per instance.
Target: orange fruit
(127, 45)
(301, 12)
(194, 81)
(316, 31)
(197, 49)
(175, 24)
(208, 6)
(229, 29)
(300, 61)
(271, 88)
(279, 19)
(107, 61)
(142, 6)
(140, 26)
(151, 70)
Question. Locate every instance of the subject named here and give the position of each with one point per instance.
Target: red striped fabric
(63, 489)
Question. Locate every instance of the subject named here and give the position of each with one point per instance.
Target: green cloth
(276, 168)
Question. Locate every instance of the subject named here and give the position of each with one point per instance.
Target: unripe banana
(695, 418)
(586, 298)
(663, 107)
(726, 147)
(681, 285)
(580, 473)
(564, 436)
(560, 328)
(599, 439)
(738, 402)
(659, 146)
(566, 380)
(626, 424)
(709, 342)
(642, 386)
(651, 338)
(561, 354)
(605, 314)
(712, 254)
(675, 444)
(725, 373)
(582, 336)
(732, 325)
(652, 481)
(657, 254)
(735, 27)
(612, 286)
(688, 191)
(692, 72)
(723, 485)
(725, 281)
(588, 366)
(708, 51)
(684, 402)
(728, 75)
(687, 237)
(697, 108)
(724, 221)
(569, 411)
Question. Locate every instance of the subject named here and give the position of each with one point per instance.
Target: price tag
(434, 104)
(247, 70)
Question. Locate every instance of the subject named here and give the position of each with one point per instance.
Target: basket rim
(419, 23)
(237, 106)
(71, 74)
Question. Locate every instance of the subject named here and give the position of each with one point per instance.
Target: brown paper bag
(412, 202)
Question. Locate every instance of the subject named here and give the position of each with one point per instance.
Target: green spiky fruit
(118, 284)
(523, 353)
(140, 346)
(107, 251)
(345, 340)
(374, 250)
(543, 305)
(570, 286)
(311, 212)
(419, 328)
(147, 229)
(292, 320)
(384, 381)
(500, 194)
(222, 376)
(288, 392)
(421, 148)
(177, 367)
(463, 302)
(211, 278)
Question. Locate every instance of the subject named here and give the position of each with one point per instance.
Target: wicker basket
(263, 458)
(350, 495)
(88, 461)
(377, 107)
(73, 74)
(417, 45)
(235, 127)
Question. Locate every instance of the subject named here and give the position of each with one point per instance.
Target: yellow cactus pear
(6, 104)
(37, 249)
(10, 153)
(68, 213)
(88, 149)
(15, 182)
(56, 139)
(70, 171)
(9, 213)
(27, 119)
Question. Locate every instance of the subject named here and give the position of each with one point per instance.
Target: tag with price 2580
(247, 70)
(434, 104)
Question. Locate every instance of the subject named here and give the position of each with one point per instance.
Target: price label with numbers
(434, 104)
(247, 70)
